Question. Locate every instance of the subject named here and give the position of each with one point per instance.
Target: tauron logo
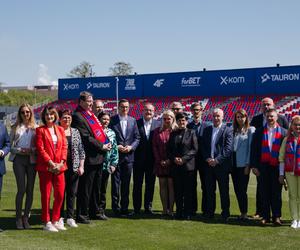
(89, 85)
(232, 80)
(265, 78)
(158, 83)
(280, 77)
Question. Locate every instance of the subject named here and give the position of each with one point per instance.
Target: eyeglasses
(25, 112)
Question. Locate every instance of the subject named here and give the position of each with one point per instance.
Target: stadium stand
(288, 105)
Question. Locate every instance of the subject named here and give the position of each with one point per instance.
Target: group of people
(74, 153)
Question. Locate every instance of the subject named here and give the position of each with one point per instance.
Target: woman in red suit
(51, 147)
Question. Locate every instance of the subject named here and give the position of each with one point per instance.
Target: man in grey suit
(128, 137)
(4, 150)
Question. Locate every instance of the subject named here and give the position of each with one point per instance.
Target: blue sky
(41, 41)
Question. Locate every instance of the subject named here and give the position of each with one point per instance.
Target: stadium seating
(288, 105)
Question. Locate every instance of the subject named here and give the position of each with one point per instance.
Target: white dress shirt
(213, 139)
(147, 127)
(123, 123)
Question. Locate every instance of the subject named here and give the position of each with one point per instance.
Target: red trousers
(47, 180)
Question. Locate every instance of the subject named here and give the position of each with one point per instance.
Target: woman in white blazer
(23, 156)
(243, 134)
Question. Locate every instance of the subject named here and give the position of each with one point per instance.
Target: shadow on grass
(9, 223)
(233, 220)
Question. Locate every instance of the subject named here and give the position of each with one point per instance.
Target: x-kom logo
(231, 80)
(70, 86)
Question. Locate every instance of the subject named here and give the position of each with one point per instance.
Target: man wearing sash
(95, 145)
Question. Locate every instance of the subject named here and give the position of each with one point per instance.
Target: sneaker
(50, 227)
(59, 225)
(294, 224)
(71, 222)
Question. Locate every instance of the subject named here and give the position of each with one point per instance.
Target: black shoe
(124, 213)
(225, 219)
(208, 216)
(82, 220)
(188, 217)
(102, 217)
(117, 212)
(149, 211)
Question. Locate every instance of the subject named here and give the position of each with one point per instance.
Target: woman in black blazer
(182, 150)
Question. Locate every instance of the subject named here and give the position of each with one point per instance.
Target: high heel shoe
(19, 224)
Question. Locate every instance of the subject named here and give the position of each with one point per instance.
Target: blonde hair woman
(22, 154)
(162, 165)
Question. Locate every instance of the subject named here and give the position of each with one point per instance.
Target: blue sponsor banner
(260, 81)
(279, 80)
(229, 82)
(101, 87)
(173, 84)
(130, 86)
(71, 87)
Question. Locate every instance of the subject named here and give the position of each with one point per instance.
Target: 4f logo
(158, 83)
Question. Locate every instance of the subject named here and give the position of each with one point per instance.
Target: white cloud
(43, 77)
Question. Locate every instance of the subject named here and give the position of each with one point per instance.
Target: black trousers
(139, 171)
(85, 187)
(94, 204)
(104, 182)
(259, 198)
(271, 191)
(71, 181)
(121, 185)
(194, 191)
(240, 185)
(218, 174)
(183, 188)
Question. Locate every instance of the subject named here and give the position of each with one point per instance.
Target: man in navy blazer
(144, 161)
(4, 150)
(259, 121)
(216, 145)
(128, 137)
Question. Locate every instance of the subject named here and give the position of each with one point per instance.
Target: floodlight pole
(117, 93)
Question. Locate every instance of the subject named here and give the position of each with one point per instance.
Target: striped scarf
(292, 155)
(94, 124)
(267, 156)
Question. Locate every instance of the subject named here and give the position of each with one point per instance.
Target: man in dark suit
(128, 137)
(144, 161)
(265, 152)
(4, 150)
(100, 178)
(198, 125)
(95, 145)
(216, 149)
(259, 121)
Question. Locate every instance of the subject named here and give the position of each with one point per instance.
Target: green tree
(121, 69)
(84, 69)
